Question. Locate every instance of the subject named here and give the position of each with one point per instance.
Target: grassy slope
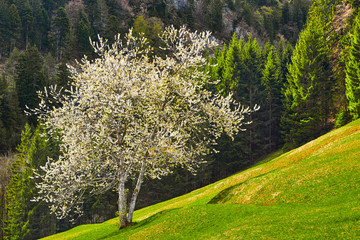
(312, 192)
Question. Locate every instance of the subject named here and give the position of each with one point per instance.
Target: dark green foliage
(60, 33)
(49, 67)
(273, 108)
(10, 27)
(112, 28)
(40, 25)
(214, 16)
(308, 92)
(82, 35)
(254, 76)
(29, 78)
(26, 15)
(27, 219)
(11, 119)
(14, 26)
(353, 71)
(63, 79)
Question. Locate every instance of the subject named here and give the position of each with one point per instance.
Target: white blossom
(128, 114)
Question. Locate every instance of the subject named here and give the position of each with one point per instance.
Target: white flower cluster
(129, 114)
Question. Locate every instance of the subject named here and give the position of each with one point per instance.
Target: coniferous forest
(298, 60)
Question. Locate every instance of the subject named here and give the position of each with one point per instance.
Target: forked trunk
(136, 191)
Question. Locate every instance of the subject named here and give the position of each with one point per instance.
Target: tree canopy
(131, 115)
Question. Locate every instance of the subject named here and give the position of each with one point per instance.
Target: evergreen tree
(353, 72)
(112, 28)
(4, 28)
(17, 223)
(229, 65)
(271, 80)
(60, 33)
(40, 25)
(308, 93)
(11, 119)
(63, 76)
(214, 16)
(29, 78)
(49, 67)
(238, 68)
(3, 88)
(249, 92)
(14, 26)
(83, 34)
(27, 219)
(27, 18)
(284, 52)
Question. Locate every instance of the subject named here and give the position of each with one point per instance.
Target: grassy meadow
(312, 192)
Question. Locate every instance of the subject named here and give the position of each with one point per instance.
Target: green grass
(312, 192)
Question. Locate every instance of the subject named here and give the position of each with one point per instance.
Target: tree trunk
(122, 204)
(136, 191)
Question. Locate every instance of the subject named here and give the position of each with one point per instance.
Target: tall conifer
(29, 77)
(271, 80)
(28, 219)
(353, 72)
(309, 85)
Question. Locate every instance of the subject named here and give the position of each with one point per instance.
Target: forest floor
(312, 192)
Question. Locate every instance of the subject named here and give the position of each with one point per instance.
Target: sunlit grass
(312, 192)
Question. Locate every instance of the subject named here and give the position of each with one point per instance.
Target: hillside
(310, 192)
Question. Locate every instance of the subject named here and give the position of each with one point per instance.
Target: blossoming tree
(130, 116)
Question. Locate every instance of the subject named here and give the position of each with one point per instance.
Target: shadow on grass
(227, 192)
(136, 225)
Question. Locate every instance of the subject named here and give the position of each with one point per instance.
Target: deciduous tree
(129, 115)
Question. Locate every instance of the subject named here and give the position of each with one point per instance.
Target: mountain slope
(310, 192)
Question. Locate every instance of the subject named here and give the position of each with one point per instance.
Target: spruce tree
(28, 219)
(11, 119)
(83, 34)
(63, 76)
(353, 72)
(15, 26)
(4, 28)
(308, 92)
(60, 33)
(271, 80)
(29, 77)
(27, 18)
(16, 197)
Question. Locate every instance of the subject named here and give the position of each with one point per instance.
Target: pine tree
(16, 225)
(60, 33)
(29, 78)
(83, 34)
(63, 76)
(27, 219)
(3, 89)
(40, 25)
(309, 86)
(228, 76)
(15, 26)
(249, 92)
(4, 28)
(27, 18)
(353, 72)
(11, 119)
(271, 80)
(112, 28)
